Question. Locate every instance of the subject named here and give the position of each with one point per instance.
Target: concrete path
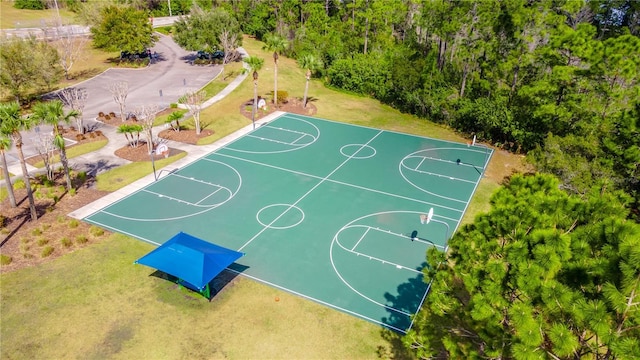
(161, 83)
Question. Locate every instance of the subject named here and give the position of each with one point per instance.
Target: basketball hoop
(426, 218)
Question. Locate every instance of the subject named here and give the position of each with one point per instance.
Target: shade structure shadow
(215, 286)
(409, 298)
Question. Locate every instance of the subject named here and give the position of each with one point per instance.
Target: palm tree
(255, 64)
(277, 44)
(310, 63)
(11, 123)
(5, 144)
(51, 113)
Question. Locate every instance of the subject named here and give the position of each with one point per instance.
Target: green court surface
(322, 209)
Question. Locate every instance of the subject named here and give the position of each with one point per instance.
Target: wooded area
(557, 80)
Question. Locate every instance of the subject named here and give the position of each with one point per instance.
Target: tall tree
(76, 99)
(11, 124)
(542, 275)
(255, 64)
(5, 145)
(119, 91)
(203, 30)
(309, 63)
(27, 65)
(147, 115)
(277, 44)
(123, 28)
(52, 113)
(193, 101)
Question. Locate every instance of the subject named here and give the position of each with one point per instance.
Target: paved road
(160, 83)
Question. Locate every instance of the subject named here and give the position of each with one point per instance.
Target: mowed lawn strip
(96, 303)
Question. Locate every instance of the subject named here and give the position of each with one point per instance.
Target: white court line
(165, 196)
(289, 130)
(282, 287)
(348, 184)
(362, 237)
(197, 180)
(307, 193)
(213, 193)
(329, 304)
(440, 175)
(296, 140)
(272, 140)
(420, 164)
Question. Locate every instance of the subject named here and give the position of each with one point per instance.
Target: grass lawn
(11, 17)
(74, 151)
(95, 303)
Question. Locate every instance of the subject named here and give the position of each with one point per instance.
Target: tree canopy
(542, 275)
(202, 29)
(123, 29)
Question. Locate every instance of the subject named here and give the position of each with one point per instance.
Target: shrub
(5, 259)
(73, 223)
(112, 114)
(29, 4)
(19, 184)
(79, 137)
(173, 105)
(98, 133)
(36, 232)
(46, 251)
(82, 176)
(42, 241)
(96, 231)
(72, 192)
(24, 240)
(60, 219)
(66, 242)
(81, 239)
(46, 227)
(100, 114)
(283, 96)
(107, 117)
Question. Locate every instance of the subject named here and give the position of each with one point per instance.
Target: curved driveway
(161, 83)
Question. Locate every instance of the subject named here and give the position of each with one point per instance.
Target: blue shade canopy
(190, 259)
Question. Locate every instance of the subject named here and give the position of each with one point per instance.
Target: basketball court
(340, 214)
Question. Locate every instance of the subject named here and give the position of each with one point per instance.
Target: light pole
(169, 2)
(153, 165)
(255, 99)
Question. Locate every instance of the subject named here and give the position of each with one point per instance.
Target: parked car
(125, 55)
(203, 55)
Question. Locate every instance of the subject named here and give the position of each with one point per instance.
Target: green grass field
(94, 303)
(11, 17)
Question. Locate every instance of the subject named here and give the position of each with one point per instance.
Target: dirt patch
(26, 241)
(187, 136)
(292, 106)
(141, 153)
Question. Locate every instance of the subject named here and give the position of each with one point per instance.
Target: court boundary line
(452, 233)
(279, 286)
(307, 193)
(267, 124)
(293, 116)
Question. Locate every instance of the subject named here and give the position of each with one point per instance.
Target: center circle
(364, 151)
(280, 216)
